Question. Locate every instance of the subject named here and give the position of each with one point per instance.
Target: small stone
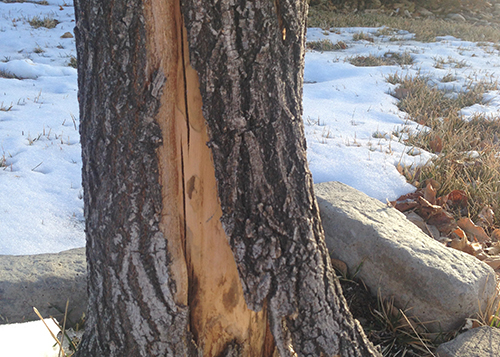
(67, 35)
(456, 17)
(425, 12)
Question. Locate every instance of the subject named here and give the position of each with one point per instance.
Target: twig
(64, 327)
(416, 333)
(33, 169)
(51, 333)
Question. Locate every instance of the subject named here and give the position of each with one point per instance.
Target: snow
(29, 339)
(353, 127)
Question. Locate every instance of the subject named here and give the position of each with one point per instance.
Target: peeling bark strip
(250, 63)
(132, 311)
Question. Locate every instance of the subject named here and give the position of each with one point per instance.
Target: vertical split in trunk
(193, 251)
(218, 313)
(171, 285)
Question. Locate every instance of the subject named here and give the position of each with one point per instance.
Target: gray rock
(442, 286)
(479, 342)
(44, 281)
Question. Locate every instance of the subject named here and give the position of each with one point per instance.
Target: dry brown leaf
(477, 249)
(493, 262)
(436, 144)
(459, 234)
(487, 216)
(339, 265)
(430, 193)
(416, 220)
(457, 198)
(459, 239)
(495, 235)
(433, 182)
(433, 231)
(436, 216)
(440, 201)
(406, 202)
(404, 206)
(471, 229)
(494, 249)
(443, 221)
(427, 209)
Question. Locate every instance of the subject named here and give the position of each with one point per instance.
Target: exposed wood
(194, 251)
(250, 58)
(185, 246)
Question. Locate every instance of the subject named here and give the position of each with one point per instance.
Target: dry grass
(361, 36)
(468, 149)
(388, 59)
(425, 30)
(325, 45)
(73, 62)
(8, 75)
(47, 22)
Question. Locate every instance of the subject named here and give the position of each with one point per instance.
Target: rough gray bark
(131, 310)
(250, 58)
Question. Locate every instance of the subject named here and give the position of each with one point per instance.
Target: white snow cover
(352, 126)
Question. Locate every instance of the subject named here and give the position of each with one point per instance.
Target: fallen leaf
(459, 240)
(427, 209)
(416, 220)
(494, 249)
(493, 262)
(433, 231)
(459, 233)
(340, 266)
(477, 249)
(487, 216)
(471, 229)
(436, 216)
(430, 193)
(436, 144)
(433, 182)
(457, 198)
(440, 201)
(404, 206)
(495, 235)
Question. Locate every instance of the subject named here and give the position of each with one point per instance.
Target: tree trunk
(193, 251)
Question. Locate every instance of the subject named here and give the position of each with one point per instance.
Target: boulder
(44, 281)
(482, 341)
(437, 285)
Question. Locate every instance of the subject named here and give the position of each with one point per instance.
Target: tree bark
(190, 250)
